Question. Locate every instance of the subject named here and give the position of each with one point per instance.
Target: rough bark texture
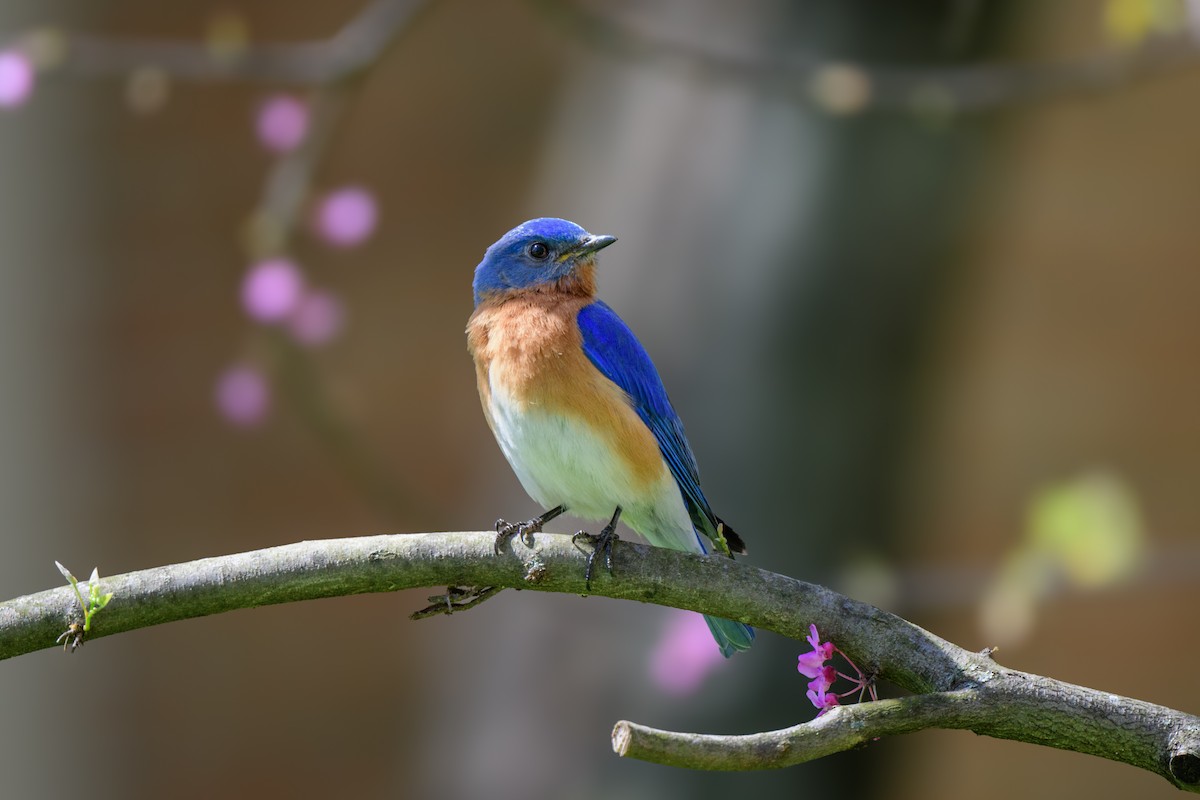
(954, 688)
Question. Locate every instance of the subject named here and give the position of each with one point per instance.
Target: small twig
(456, 598)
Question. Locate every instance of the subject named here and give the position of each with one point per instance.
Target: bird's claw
(507, 530)
(602, 543)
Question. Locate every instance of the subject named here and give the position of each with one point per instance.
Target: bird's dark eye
(539, 250)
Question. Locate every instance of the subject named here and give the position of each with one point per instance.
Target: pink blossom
(810, 663)
(346, 217)
(685, 654)
(272, 289)
(317, 318)
(815, 665)
(243, 396)
(16, 78)
(813, 638)
(282, 123)
(818, 691)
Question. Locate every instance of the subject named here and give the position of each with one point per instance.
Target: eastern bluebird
(577, 406)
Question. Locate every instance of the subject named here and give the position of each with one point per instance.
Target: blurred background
(921, 282)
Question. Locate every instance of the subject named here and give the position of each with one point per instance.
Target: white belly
(563, 461)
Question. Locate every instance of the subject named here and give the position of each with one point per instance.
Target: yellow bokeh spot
(1090, 528)
(227, 35)
(1129, 23)
(263, 235)
(147, 89)
(870, 578)
(1086, 532)
(1009, 606)
(46, 47)
(841, 88)
(934, 105)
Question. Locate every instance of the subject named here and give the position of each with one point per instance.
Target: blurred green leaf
(1090, 528)
(1087, 530)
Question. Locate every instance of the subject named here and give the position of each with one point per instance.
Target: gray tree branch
(954, 688)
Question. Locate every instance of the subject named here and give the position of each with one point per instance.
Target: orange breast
(529, 347)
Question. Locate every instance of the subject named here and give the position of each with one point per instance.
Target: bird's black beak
(591, 244)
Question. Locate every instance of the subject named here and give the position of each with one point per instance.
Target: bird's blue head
(540, 253)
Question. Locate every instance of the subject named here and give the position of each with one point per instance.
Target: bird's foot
(602, 543)
(505, 531)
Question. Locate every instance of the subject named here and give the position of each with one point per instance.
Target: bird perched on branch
(579, 409)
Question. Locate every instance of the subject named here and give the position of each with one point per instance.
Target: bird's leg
(526, 529)
(600, 544)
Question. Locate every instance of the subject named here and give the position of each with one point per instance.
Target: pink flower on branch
(810, 663)
(818, 690)
(815, 665)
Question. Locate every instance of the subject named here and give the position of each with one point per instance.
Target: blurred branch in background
(227, 54)
(956, 688)
(1153, 39)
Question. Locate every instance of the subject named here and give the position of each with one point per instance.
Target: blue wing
(617, 353)
(611, 346)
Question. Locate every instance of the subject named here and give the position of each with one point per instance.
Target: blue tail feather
(732, 637)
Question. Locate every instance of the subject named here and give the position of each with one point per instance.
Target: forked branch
(953, 687)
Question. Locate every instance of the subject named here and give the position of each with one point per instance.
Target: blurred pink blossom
(272, 289)
(16, 78)
(243, 396)
(685, 654)
(282, 123)
(317, 318)
(346, 217)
